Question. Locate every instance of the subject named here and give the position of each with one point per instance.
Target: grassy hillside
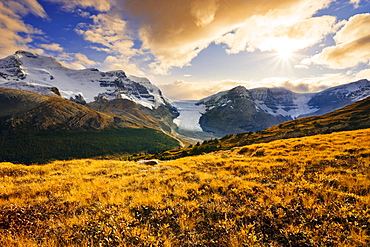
(310, 191)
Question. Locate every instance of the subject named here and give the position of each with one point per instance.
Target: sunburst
(284, 53)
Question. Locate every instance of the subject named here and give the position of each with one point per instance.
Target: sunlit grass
(312, 191)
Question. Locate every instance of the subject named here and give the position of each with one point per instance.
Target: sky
(191, 49)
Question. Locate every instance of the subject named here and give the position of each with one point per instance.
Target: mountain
(35, 128)
(352, 117)
(230, 112)
(241, 110)
(36, 73)
(234, 112)
(21, 109)
(45, 75)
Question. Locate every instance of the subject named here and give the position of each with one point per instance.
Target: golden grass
(312, 191)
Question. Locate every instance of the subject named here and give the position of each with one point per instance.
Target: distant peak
(239, 90)
(26, 53)
(363, 81)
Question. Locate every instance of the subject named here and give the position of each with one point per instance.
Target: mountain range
(352, 117)
(141, 103)
(241, 110)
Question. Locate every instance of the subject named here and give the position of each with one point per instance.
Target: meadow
(309, 191)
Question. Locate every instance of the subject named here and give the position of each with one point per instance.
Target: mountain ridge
(47, 76)
(230, 112)
(23, 109)
(264, 107)
(37, 73)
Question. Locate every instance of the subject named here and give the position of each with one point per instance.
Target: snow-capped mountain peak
(242, 110)
(40, 74)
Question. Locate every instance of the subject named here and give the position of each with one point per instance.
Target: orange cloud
(175, 31)
(352, 45)
(52, 47)
(184, 90)
(11, 25)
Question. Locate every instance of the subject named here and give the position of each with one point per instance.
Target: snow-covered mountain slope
(241, 110)
(44, 75)
(280, 101)
(340, 96)
(283, 102)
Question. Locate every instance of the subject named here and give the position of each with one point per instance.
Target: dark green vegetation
(41, 147)
(352, 117)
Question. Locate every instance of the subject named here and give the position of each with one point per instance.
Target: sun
(284, 53)
(284, 47)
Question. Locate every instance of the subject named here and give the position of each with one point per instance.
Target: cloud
(363, 74)
(268, 32)
(301, 66)
(116, 63)
(183, 90)
(109, 31)
(175, 31)
(100, 5)
(356, 3)
(75, 60)
(15, 34)
(24, 7)
(82, 59)
(352, 45)
(203, 11)
(52, 47)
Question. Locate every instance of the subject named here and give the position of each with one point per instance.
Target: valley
(202, 123)
(234, 111)
(261, 167)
